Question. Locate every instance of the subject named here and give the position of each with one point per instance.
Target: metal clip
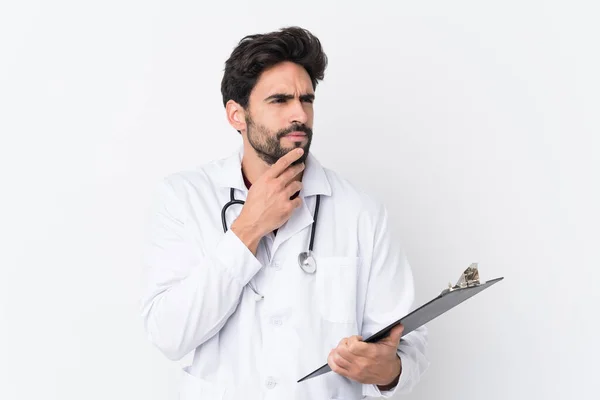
(469, 278)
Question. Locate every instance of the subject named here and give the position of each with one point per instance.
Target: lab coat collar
(314, 179)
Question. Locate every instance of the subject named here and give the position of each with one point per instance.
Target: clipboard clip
(469, 278)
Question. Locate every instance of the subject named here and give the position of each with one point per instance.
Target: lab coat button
(276, 266)
(270, 382)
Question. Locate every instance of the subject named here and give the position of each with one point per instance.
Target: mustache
(295, 128)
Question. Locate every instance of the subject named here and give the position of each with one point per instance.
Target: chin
(301, 159)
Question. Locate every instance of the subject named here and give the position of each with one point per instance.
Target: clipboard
(468, 285)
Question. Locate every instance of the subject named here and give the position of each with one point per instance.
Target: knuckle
(275, 185)
(352, 347)
(361, 365)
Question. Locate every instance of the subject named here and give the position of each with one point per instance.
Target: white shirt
(257, 324)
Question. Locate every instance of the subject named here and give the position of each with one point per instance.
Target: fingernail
(300, 151)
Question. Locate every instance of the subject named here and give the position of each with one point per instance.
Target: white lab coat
(258, 324)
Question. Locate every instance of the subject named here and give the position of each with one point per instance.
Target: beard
(268, 145)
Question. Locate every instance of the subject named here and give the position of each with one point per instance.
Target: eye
(280, 100)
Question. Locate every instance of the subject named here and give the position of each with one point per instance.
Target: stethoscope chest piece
(307, 262)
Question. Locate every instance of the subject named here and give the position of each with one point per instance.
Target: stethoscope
(306, 260)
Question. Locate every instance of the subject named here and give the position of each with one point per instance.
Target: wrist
(248, 233)
(394, 382)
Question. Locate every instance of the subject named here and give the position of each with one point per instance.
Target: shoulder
(197, 178)
(179, 187)
(354, 197)
(362, 211)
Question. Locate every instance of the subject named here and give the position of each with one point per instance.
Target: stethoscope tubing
(233, 201)
(226, 206)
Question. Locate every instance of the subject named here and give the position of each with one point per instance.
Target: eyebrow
(283, 96)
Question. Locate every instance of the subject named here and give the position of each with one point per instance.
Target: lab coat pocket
(336, 288)
(195, 388)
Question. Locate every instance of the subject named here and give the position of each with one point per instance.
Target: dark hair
(255, 53)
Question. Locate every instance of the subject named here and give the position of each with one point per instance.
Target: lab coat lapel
(300, 219)
(314, 182)
(228, 173)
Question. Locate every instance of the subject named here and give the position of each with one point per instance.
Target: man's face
(280, 112)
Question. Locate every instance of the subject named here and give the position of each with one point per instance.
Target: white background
(475, 121)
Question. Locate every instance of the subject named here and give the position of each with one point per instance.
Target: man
(233, 289)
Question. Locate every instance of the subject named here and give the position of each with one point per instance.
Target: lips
(296, 134)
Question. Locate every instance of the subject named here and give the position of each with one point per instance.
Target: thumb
(396, 334)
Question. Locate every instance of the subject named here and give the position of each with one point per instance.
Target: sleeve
(187, 298)
(390, 295)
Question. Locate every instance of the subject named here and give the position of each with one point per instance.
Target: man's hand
(268, 205)
(370, 363)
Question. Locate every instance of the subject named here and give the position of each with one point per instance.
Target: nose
(298, 113)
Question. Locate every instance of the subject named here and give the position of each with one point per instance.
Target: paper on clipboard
(468, 285)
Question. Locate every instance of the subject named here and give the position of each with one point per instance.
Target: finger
(292, 188)
(335, 367)
(343, 342)
(297, 202)
(284, 162)
(395, 334)
(292, 172)
(345, 354)
(359, 348)
(354, 338)
(343, 357)
(341, 346)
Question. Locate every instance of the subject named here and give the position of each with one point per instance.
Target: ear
(236, 115)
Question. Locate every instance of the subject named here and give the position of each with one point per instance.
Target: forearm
(249, 234)
(181, 314)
